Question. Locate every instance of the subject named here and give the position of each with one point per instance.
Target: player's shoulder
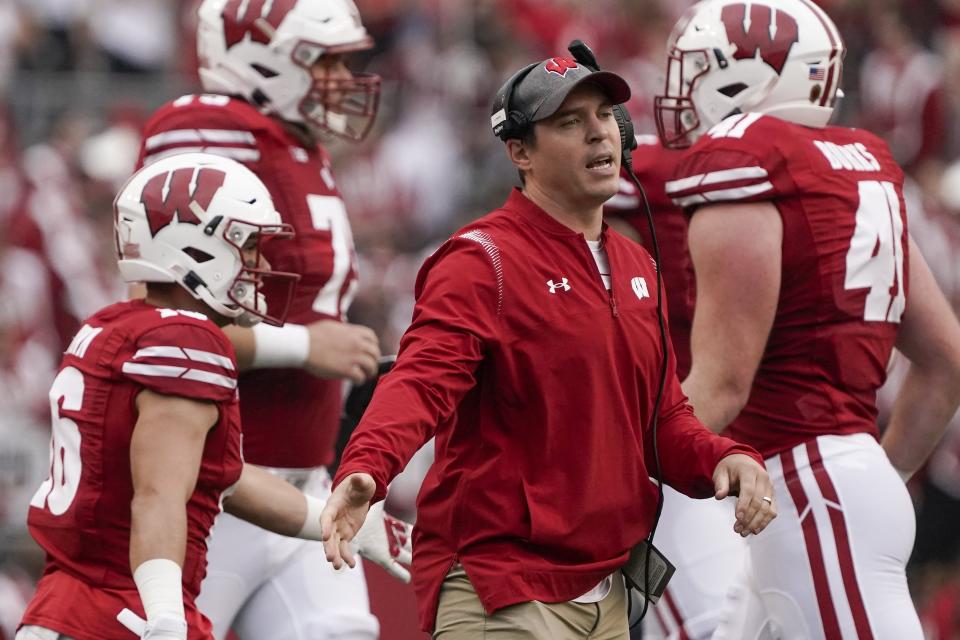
(207, 122)
(750, 134)
(738, 159)
(178, 352)
(144, 324)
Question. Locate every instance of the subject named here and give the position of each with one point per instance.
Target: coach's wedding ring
(767, 499)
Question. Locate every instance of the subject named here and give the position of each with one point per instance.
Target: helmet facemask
(344, 107)
(247, 290)
(675, 113)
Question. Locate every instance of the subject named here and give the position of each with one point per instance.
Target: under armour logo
(563, 285)
(640, 287)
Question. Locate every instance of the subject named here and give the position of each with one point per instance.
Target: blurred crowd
(79, 77)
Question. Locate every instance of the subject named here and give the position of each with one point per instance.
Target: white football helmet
(187, 218)
(263, 51)
(779, 57)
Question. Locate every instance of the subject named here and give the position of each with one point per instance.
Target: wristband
(160, 583)
(286, 346)
(311, 526)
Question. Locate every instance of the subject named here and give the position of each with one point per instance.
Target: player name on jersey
(852, 157)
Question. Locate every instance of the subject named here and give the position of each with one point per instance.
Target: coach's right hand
(343, 515)
(342, 350)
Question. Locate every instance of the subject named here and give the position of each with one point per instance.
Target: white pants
(831, 564)
(697, 536)
(264, 585)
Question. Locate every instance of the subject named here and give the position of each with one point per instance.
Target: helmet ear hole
(264, 71)
(734, 89)
(199, 256)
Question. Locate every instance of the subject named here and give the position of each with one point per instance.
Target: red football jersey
(654, 165)
(843, 284)
(80, 515)
(290, 418)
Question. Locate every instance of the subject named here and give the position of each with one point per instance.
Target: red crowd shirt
(290, 418)
(844, 275)
(80, 515)
(654, 165)
(539, 386)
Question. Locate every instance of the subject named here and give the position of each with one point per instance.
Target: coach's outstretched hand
(343, 516)
(742, 476)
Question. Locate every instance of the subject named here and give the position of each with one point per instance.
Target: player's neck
(173, 296)
(585, 219)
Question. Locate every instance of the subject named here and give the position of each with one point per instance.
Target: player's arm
(736, 253)
(165, 455)
(271, 503)
(929, 337)
(325, 348)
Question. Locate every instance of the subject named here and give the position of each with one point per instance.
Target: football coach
(534, 356)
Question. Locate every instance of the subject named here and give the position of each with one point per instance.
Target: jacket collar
(530, 212)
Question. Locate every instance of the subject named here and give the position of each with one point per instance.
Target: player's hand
(342, 350)
(386, 541)
(343, 517)
(744, 477)
(161, 628)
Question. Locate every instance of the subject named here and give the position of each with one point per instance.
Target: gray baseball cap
(547, 83)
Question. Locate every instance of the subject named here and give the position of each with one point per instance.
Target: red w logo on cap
(236, 27)
(774, 49)
(160, 210)
(560, 66)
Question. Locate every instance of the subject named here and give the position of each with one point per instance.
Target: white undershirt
(603, 587)
(600, 257)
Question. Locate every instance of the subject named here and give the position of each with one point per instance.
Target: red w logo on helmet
(236, 26)
(758, 33)
(160, 210)
(560, 66)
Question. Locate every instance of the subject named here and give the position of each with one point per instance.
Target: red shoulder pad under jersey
(209, 123)
(183, 354)
(739, 160)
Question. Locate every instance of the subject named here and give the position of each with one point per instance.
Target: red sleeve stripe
(199, 136)
(185, 354)
(724, 195)
(674, 187)
(234, 153)
(165, 371)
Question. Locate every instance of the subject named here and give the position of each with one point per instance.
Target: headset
(514, 124)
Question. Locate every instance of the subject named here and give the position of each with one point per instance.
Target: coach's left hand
(742, 476)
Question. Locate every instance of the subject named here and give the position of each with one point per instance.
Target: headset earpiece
(506, 123)
(628, 139)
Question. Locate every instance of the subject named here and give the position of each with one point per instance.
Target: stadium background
(79, 77)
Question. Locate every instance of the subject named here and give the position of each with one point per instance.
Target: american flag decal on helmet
(817, 74)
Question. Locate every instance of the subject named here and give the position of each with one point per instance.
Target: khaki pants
(460, 616)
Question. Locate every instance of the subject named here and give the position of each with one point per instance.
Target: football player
(146, 426)
(278, 83)
(806, 280)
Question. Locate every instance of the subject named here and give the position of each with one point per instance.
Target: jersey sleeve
(736, 161)
(187, 360)
(205, 123)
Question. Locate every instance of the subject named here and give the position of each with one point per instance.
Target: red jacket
(539, 385)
